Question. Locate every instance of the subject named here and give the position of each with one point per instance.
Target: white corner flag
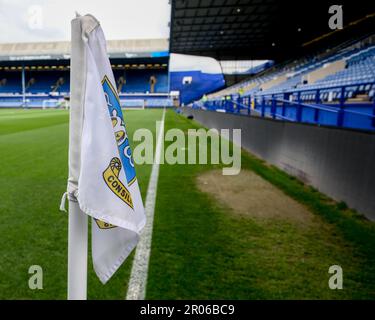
(102, 181)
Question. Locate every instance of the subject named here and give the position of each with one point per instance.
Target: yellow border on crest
(114, 91)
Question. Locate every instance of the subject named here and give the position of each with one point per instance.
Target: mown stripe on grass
(9, 126)
(138, 277)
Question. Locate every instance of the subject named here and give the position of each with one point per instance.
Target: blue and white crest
(118, 123)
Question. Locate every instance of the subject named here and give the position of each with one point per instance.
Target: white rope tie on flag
(70, 196)
(63, 201)
(138, 276)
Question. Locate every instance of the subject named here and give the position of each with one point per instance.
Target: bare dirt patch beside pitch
(249, 194)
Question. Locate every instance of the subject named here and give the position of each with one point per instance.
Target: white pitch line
(138, 276)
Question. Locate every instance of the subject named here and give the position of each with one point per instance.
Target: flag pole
(77, 234)
(77, 253)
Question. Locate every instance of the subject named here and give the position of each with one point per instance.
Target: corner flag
(102, 178)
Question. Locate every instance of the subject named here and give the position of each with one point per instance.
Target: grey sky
(49, 20)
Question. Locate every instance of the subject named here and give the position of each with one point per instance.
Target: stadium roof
(255, 29)
(61, 50)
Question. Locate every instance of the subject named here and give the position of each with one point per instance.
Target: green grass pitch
(200, 249)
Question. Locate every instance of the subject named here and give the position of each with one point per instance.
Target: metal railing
(289, 106)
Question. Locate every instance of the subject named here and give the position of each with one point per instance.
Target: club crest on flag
(104, 225)
(111, 178)
(114, 108)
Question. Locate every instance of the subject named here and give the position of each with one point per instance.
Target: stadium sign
(138, 54)
(115, 55)
(34, 57)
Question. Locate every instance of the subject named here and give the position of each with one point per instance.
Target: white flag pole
(77, 253)
(77, 235)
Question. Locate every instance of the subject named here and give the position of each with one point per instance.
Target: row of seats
(331, 95)
(295, 69)
(134, 81)
(351, 75)
(358, 77)
(36, 82)
(10, 82)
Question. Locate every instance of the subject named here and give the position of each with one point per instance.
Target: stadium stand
(137, 81)
(312, 113)
(37, 75)
(336, 87)
(10, 82)
(135, 91)
(47, 81)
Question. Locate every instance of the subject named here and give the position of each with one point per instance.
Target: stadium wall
(338, 162)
